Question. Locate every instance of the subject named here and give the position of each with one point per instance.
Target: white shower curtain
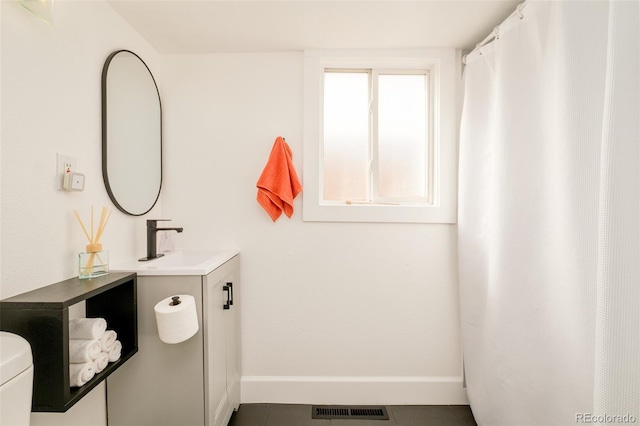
(549, 217)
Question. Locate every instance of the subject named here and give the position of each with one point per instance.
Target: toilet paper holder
(176, 318)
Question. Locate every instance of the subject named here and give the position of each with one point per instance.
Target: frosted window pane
(346, 136)
(402, 133)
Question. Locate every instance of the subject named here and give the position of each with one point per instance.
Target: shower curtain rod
(495, 34)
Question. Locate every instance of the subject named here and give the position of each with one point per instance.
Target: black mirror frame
(105, 175)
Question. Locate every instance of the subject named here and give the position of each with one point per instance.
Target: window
(379, 137)
(376, 136)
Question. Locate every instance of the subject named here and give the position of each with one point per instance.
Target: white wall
(51, 103)
(331, 312)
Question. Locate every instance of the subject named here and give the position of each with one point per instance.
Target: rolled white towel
(102, 361)
(83, 350)
(107, 340)
(79, 374)
(116, 351)
(87, 328)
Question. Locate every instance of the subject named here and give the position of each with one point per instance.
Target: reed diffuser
(94, 262)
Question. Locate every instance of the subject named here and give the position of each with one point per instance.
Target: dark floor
(399, 415)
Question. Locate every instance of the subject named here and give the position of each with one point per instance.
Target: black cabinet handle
(231, 288)
(228, 304)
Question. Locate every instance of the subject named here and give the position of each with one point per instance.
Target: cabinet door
(215, 350)
(232, 317)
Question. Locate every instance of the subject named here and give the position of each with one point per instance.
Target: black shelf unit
(41, 316)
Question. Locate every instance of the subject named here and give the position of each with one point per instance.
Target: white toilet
(16, 380)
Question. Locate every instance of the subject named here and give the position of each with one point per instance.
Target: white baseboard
(353, 390)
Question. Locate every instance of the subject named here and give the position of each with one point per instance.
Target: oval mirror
(131, 133)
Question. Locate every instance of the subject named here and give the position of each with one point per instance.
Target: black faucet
(152, 229)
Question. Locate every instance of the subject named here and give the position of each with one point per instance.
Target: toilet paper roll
(176, 322)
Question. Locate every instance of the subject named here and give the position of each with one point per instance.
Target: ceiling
(207, 26)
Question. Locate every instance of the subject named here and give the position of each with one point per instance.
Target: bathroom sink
(183, 262)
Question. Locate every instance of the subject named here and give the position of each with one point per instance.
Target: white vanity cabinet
(196, 382)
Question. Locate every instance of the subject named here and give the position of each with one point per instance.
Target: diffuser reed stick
(94, 247)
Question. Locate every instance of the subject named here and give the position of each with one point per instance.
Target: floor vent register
(369, 412)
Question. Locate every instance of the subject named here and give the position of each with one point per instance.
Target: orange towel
(279, 184)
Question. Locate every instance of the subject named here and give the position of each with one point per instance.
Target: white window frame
(441, 64)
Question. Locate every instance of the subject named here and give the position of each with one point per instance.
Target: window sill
(378, 213)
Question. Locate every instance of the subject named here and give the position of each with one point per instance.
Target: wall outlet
(65, 164)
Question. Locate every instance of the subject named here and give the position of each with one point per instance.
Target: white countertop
(182, 262)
